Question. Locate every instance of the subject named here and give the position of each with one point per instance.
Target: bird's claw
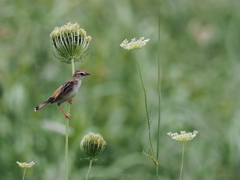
(68, 116)
(70, 100)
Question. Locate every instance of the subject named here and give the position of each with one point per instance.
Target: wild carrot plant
(70, 43)
(183, 137)
(92, 145)
(137, 45)
(25, 165)
(134, 45)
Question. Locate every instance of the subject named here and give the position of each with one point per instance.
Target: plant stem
(67, 125)
(24, 173)
(89, 169)
(66, 147)
(182, 162)
(145, 97)
(73, 69)
(159, 85)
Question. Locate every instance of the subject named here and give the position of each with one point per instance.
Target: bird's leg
(66, 115)
(70, 100)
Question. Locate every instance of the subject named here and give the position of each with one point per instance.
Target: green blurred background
(200, 45)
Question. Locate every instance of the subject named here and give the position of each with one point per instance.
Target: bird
(66, 92)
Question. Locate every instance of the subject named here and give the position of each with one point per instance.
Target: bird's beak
(88, 74)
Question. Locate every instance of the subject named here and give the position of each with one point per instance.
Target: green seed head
(92, 145)
(70, 42)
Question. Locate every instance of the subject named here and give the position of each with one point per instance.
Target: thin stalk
(66, 147)
(89, 169)
(182, 162)
(159, 84)
(67, 125)
(145, 97)
(73, 69)
(24, 173)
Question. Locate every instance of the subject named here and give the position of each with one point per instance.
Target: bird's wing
(66, 88)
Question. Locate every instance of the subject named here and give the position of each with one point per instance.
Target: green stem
(24, 173)
(145, 97)
(73, 69)
(159, 84)
(67, 125)
(89, 169)
(182, 162)
(66, 147)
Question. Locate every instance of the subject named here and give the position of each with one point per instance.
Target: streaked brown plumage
(66, 92)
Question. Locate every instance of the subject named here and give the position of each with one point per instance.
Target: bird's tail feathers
(40, 106)
(50, 100)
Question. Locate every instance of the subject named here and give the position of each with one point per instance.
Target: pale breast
(75, 90)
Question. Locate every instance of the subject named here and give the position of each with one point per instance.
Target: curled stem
(145, 97)
(89, 169)
(67, 125)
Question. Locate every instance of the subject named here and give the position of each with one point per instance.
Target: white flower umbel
(25, 165)
(184, 136)
(134, 44)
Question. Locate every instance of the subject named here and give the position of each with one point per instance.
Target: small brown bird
(66, 92)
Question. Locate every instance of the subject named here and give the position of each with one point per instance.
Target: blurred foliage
(200, 44)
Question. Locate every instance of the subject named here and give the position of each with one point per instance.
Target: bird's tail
(50, 100)
(41, 105)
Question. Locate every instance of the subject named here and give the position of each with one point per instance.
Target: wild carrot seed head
(92, 144)
(70, 42)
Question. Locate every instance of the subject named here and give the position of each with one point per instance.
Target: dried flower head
(25, 165)
(92, 144)
(70, 42)
(134, 44)
(183, 137)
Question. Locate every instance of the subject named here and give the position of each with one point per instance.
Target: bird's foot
(68, 116)
(70, 100)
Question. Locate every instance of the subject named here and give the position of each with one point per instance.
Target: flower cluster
(134, 44)
(184, 136)
(70, 42)
(25, 165)
(92, 144)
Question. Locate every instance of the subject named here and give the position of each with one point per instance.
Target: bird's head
(80, 74)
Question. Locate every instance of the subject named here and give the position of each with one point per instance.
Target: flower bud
(92, 144)
(70, 42)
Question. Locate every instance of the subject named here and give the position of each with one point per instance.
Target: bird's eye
(82, 74)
